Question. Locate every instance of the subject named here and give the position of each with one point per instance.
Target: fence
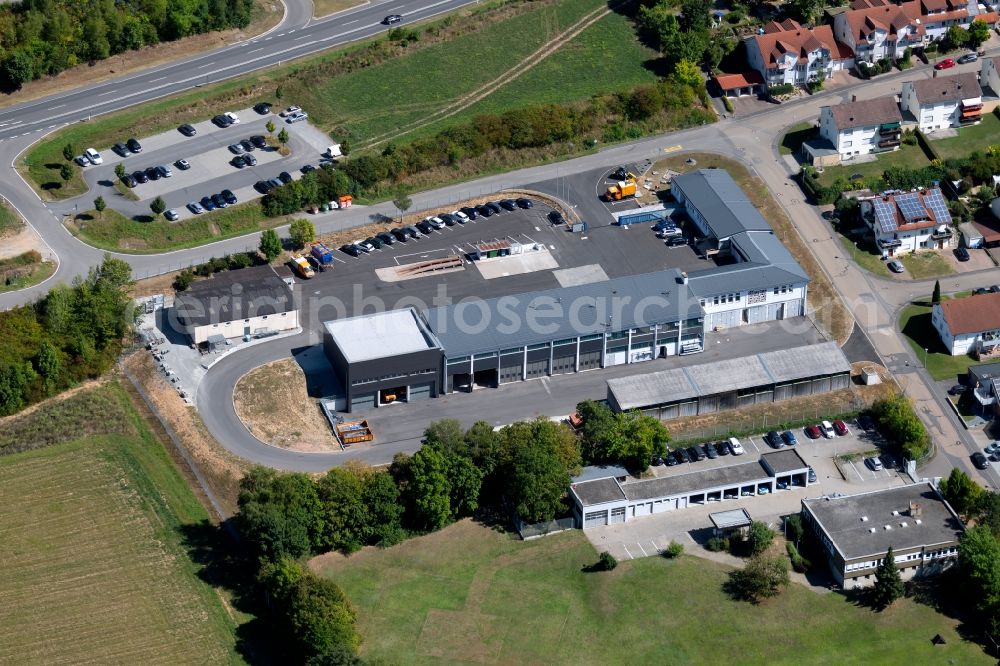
(536, 530)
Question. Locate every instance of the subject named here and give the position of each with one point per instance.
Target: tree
(47, 365)
(157, 205)
(100, 205)
(380, 497)
(120, 169)
(761, 537)
(888, 583)
(667, 33)
(447, 434)
(280, 515)
(936, 295)
(66, 172)
(957, 36)
(606, 561)
(537, 482)
(269, 127)
(979, 562)
(465, 481)
(402, 202)
(283, 136)
(429, 489)
(343, 512)
(69, 152)
(270, 244)
(688, 74)
(794, 528)
(695, 15)
(279, 93)
(301, 232)
(960, 491)
(804, 11)
(320, 617)
(761, 578)
(978, 33)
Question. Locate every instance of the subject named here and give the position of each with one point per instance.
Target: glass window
(543, 345)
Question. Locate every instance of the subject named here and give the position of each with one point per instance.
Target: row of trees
(687, 37)
(628, 437)
(604, 117)
(44, 37)
(72, 334)
(901, 426)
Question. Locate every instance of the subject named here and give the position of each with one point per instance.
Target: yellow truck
(302, 268)
(623, 189)
(354, 432)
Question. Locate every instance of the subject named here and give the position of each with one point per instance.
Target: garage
(595, 519)
(421, 391)
(363, 401)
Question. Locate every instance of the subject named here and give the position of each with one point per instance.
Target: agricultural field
(471, 594)
(92, 540)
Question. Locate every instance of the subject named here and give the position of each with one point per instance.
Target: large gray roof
(720, 201)
(380, 335)
(773, 367)
(599, 491)
(567, 312)
(706, 479)
(865, 526)
(232, 295)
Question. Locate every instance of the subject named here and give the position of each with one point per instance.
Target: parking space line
(655, 547)
(644, 553)
(754, 444)
(627, 553)
(855, 470)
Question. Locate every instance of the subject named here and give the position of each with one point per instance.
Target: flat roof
(716, 477)
(381, 335)
(722, 202)
(774, 367)
(594, 472)
(729, 519)
(233, 295)
(866, 525)
(598, 491)
(784, 461)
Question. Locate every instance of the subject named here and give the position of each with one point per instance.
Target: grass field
(113, 231)
(864, 255)
(16, 274)
(795, 135)
(470, 594)
(978, 137)
(323, 8)
(907, 156)
(915, 323)
(95, 570)
(923, 265)
(10, 222)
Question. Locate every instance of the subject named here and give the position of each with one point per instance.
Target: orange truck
(302, 268)
(623, 189)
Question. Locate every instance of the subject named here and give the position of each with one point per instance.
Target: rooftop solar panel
(886, 215)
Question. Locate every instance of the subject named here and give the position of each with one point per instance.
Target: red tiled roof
(889, 18)
(990, 230)
(989, 17)
(744, 80)
(775, 45)
(972, 314)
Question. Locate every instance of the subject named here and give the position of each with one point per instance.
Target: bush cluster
(899, 423)
(230, 262)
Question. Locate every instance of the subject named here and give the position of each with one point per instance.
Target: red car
(812, 432)
(947, 63)
(840, 427)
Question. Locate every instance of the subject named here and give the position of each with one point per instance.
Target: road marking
(655, 547)
(627, 553)
(672, 149)
(255, 50)
(301, 37)
(52, 108)
(160, 78)
(206, 65)
(352, 22)
(644, 553)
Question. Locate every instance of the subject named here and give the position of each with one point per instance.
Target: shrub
(780, 89)
(761, 578)
(726, 103)
(799, 563)
(674, 550)
(717, 544)
(184, 279)
(606, 562)
(761, 537)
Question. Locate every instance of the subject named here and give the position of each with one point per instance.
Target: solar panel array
(886, 214)
(911, 206)
(938, 206)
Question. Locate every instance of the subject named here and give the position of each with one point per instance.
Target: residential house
(970, 324)
(989, 82)
(943, 101)
(855, 532)
(905, 222)
(984, 380)
(790, 53)
(860, 128)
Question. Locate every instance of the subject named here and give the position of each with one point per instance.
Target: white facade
(750, 307)
(795, 56)
(853, 141)
(272, 323)
(961, 344)
(989, 75)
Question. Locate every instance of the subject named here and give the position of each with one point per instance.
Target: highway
(874, 301)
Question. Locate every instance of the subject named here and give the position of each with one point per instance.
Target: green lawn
(10, 221)
(907, 156)
(864, 254)
(923, 265)
(978, 137)
(469, 594)
(95, 567)
(794, 136)
(113, 231)
(37, 272)
(915, 323)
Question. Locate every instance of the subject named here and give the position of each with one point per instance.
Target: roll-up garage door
(362, 401)
(595, 519)
(420, 391)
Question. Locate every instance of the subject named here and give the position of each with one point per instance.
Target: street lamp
(925, 357)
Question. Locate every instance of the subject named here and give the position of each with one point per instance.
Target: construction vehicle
(623, 189)
(354, 432)
(623, 173)
(302, 268)
(322, 253)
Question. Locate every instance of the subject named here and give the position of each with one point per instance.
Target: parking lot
(211, 168)
(646, 536)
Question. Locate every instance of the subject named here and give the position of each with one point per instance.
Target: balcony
(968, 119)
(941, 234)
(887, 243)
(886, 129)
(889, 144)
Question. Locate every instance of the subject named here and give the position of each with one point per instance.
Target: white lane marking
(56, 107)
(255, 50)
(300, 37)
(627, 553)
(644, 553)
(352, 22)
(159, 78)
(206, 65)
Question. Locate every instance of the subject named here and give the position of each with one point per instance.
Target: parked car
(171, 214)
(93, 156)
(995, 288)
(889, 461)
(399, 234)
(285, 177)
(736, 447)
(411, 231)
(524, 203)
(811, 475)
(435, 222)
(555, 217)
(263, 108)
(290, 111)
(947, 63)
(352, 250)
(683, 456)
(656, 461)
(306, 168)
(866, 422)
(781, 485)
(710, 450)
(676, 241)
(813, 432)
(507, 204)
(485, 211)
(763, 490)
(258, 141)
(972, 56)
(273, 182)
(669, 459)
(232, 117)
(961, 254)
(165, 171)
(895, 266)
(153, 173)
(979, 460)
(247, 145)
(425, 227)
(459, 216)
(695, 453)
(840, 427)
(121, 149)
(134, 145)
(874, 464)
(183, 165)
(494, 206)
(375, 242)
(979, 291)
(219, 201)
(774, 440)
(82, 160)
(470, 211)
(827, 429)
(447, 219)
(208, 204)
(722, 448)
(187, 130)
(957, 389)
(228, 196)
(221, 121)
(789, 438)
(262, 186)
(250, 160)
(140, 176)
(386, 238)
(392, 19)
(238, 161)
(296, 117)
(128, 180)
(196, 208)
(236, 149)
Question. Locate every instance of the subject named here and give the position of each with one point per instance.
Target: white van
(827, 428)
(93, 156)
(736, 447)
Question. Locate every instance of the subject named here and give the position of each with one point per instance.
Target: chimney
(915, 510)
(854, 98)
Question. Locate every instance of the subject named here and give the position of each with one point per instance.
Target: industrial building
(733, 383)
(856, 532)
(616, 499)
(251, 302)
(383, 358)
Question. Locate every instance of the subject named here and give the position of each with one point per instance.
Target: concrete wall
(283, 321)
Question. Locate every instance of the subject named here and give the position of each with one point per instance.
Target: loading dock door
(420, 391)
(595, 519)
(362, 401)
